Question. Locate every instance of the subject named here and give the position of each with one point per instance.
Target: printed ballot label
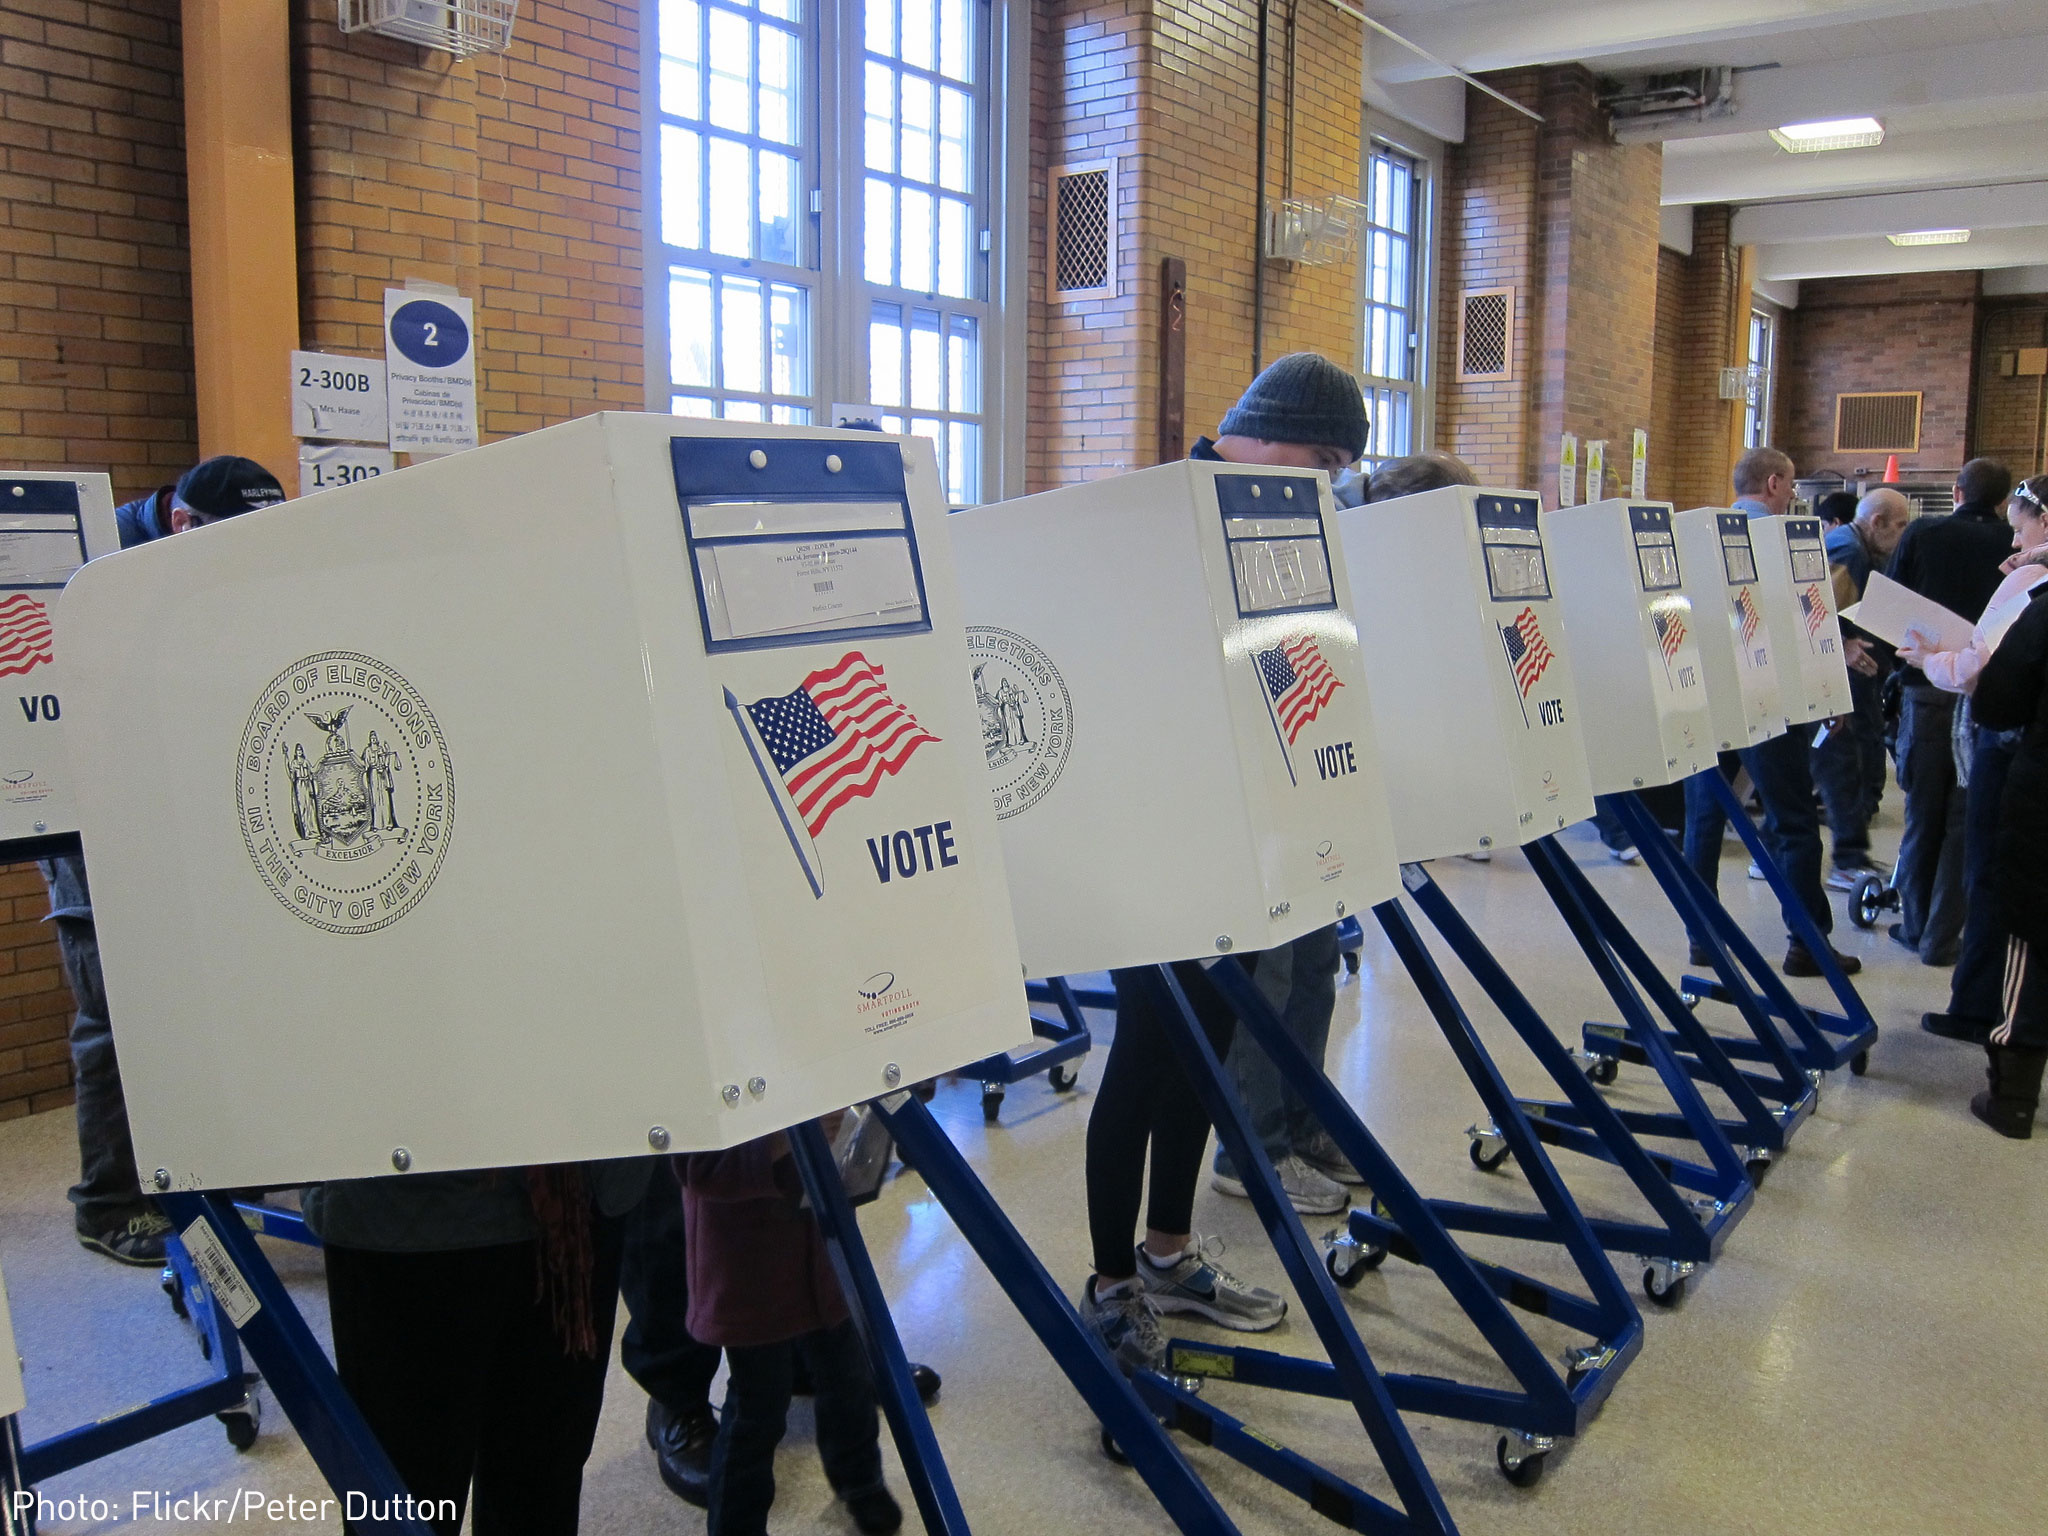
(338, 397)
(40, 549)
(211, 1259)
(776, 588)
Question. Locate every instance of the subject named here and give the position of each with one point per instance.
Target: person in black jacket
(1957, 561)
(2012, 694)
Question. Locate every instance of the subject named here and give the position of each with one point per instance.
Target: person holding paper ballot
(1784, 781)
(1975, 1004)
(1849, 764)
(1955, 561)
(1308, 413)
(2012, 695)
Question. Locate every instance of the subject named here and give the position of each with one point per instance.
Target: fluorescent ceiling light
(1836, 133)
(1932, 237)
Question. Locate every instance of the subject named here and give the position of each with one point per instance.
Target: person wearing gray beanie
(1303, 411)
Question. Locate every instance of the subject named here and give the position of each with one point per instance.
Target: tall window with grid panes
(1390, 260)
(1763, 379)
(823, 204)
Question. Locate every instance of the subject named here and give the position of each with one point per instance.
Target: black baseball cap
(225, 485)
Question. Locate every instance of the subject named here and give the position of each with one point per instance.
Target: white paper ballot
(1888, 610)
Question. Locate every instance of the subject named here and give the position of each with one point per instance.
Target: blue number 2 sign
(430, 334)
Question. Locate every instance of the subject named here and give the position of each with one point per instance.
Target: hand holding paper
(1902, 617)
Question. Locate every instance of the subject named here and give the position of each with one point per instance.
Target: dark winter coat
(2011, 695)
(759, 1273)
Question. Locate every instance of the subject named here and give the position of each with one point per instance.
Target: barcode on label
(821, 586)
(219, 1272)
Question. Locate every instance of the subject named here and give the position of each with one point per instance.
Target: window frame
(1760, 402)
(1425, 156)
(839, 296)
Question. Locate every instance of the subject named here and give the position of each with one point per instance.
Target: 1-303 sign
(322, 467)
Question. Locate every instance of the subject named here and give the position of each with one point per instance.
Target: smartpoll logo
(885, 1003)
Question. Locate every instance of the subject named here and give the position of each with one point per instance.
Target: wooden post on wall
(1173, 359)
(244, 228)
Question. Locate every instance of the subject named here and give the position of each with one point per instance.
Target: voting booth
(1473, 695)
(1799, 603)
(50, 525)
(609, 789)
(1718, 559)
(1173, 709)
(1643, 709)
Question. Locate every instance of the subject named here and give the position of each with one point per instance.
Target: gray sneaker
(1307, 1191)
(1321, 1152)
(1127, 1326)
(1199, 1286)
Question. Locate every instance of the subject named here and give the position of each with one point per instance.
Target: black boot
(2008, 1104)
(682, 1449)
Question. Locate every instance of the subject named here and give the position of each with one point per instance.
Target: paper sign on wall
(338, 397)
(322, 469)
(1639, 467)
(1568, 472)
(1596, 469)
(430, 354)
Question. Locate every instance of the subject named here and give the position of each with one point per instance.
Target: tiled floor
(1870, 1355)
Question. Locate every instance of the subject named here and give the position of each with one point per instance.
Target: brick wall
(35, 1003)
(1702, 318)
(514, 178)
(2011, 417)
(95, 309)
(1914, 331)
(1569, 219)
(1170, 87)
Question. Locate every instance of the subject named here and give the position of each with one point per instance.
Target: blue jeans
(1930, 873)
(1300, 981)
(1791, 830)
(1977, 989)
(757, 1411)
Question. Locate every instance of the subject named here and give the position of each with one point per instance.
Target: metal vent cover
(1486, 329)
(1882, 422)
(1082, 202)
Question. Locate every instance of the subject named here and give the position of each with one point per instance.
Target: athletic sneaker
(138, 1241)
(1624, 855)
(1194, 1284)
(1321, 1152)
(1755, 873)
(1308, 1191)
(1127, 1326)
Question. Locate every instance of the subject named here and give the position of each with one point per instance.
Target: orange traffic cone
(1891, 470)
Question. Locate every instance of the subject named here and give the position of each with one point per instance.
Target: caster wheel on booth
(1114, 1451)
(1665, 1293)
(174, 1292)
(1349, 1263)
(1604, 1070)
(242, 1422)
(1524, 1470)
(991, 1101)
(1866, 902)
(1063, 1078)
(1351, 960)
(1486, 1161)
(1860, 1063)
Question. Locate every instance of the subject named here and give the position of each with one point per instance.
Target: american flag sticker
(1529, 654)
(1813, 607)
(1298, 683)
(830, 741)
(1670, 633)
(1746, 614)
(24, 634)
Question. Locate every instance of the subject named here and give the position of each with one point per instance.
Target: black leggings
(1146, 1097)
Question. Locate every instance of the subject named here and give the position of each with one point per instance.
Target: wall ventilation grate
(1083, 236)
(1486, 331)
(1878, 423)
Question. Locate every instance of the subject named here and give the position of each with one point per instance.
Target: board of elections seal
(1027, 719)
(344, 792)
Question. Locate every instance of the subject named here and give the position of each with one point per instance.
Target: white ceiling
(1960, 85)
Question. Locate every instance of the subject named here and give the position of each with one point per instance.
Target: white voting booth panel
(1719, 560)
(610, 788)
(1473, 696)
(1642, 699)
(12, 1398)
(50, 525)
(1799, 602)
(1179, 746)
